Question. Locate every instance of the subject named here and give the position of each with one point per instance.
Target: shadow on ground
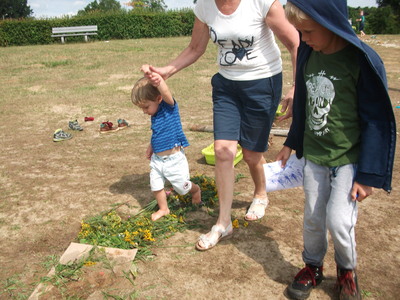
(135, 185)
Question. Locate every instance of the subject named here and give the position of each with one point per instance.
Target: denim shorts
(245, 110)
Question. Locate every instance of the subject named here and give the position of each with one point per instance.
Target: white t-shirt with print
(247, 46)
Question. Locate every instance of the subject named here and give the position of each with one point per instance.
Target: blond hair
(294, 14)
(143, 91)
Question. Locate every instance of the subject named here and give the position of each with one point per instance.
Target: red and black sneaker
(348, 285)
(106, 127)
(308, 278)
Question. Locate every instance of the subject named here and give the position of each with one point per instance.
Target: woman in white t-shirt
(246, 91)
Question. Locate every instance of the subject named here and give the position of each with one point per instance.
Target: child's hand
(359, 191)
(158, 82)
(154, 78)
(149, 152)
(284, 155)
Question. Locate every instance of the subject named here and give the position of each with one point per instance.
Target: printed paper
(278, 178)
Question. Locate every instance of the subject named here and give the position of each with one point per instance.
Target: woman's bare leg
(255, 161)
(225, 152)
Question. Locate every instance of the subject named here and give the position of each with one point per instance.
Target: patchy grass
(48, 188)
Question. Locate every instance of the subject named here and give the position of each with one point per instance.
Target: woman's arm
(195, 49)
(288, 35)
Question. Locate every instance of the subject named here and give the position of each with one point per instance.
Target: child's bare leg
(196, 194)
(163, 210)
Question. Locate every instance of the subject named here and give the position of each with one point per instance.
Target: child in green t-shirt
(344, 126)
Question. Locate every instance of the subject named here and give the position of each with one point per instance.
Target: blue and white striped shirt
(167, 128)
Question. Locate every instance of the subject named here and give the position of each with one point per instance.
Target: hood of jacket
(333, 15)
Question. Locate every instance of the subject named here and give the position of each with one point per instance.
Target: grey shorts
(245, 110)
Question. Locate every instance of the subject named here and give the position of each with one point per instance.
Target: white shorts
(174, 168)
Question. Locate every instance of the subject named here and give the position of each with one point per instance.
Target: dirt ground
(47, 188)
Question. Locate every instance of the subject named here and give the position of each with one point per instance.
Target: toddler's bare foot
(159, 214)
(196, 196)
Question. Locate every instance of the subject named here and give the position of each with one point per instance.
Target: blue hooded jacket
(377, 121)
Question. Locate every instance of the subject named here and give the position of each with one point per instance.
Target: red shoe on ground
(106, 127)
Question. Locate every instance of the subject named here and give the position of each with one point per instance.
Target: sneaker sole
(298, 295)
(60, 140)
(108, 131)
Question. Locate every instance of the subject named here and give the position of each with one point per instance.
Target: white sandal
(216, 230)
(257, 209)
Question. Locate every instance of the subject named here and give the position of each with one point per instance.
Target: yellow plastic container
(278, 111)
(209, 154)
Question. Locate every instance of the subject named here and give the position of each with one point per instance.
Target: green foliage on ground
(111, 229)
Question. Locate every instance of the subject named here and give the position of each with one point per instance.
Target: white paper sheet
(278, 178)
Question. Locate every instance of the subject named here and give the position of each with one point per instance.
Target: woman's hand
(287, 106)
(154, 77)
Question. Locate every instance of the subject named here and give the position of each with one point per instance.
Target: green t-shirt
(332, 131)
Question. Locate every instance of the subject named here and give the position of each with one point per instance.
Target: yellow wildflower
(148, 236)
(89, 263)
(235, 223)
(85, 226)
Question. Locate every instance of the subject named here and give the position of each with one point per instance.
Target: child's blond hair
(143, 91)
(294, 14)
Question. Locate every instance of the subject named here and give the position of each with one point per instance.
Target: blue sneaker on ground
(60, 135)
(74, 125)
(122, 124)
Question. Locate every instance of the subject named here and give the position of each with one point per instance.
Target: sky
(58, 8)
